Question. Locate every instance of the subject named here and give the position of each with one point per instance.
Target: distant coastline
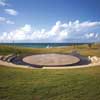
(42, 45)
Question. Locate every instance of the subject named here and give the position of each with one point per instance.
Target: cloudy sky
(50, 20)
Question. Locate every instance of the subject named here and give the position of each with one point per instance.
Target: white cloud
(92, 35)
(58, 33)
(3, 3)
(89, 24)
(10, 22)
(4, 20)
(56, 27)
(26, 28)
(71, 29)
(11, 12)
(18, 34)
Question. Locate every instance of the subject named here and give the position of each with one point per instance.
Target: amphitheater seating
(94, 59)
(11, 58)
(8, 58)
(1, 57)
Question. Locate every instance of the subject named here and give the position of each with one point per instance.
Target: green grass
(83, 49)
(69, 84)
(43, 84)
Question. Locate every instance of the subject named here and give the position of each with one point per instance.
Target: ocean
(41, 45)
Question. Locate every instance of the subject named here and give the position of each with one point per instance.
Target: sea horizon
(43, 45)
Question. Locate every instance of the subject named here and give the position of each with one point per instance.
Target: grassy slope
(83, 49)
(69, 84)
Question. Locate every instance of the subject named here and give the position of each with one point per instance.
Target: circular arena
(51, 60)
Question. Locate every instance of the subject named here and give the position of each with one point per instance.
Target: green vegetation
(69, 84)
(43, 84)
(83, 49)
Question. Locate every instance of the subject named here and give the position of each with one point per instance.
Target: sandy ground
(51, 59)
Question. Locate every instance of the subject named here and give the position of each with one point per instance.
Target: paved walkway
(70, 67)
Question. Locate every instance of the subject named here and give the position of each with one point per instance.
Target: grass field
(83, 49)
(69, 84)
(43, 84)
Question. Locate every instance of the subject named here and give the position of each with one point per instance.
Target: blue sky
(49, 20)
